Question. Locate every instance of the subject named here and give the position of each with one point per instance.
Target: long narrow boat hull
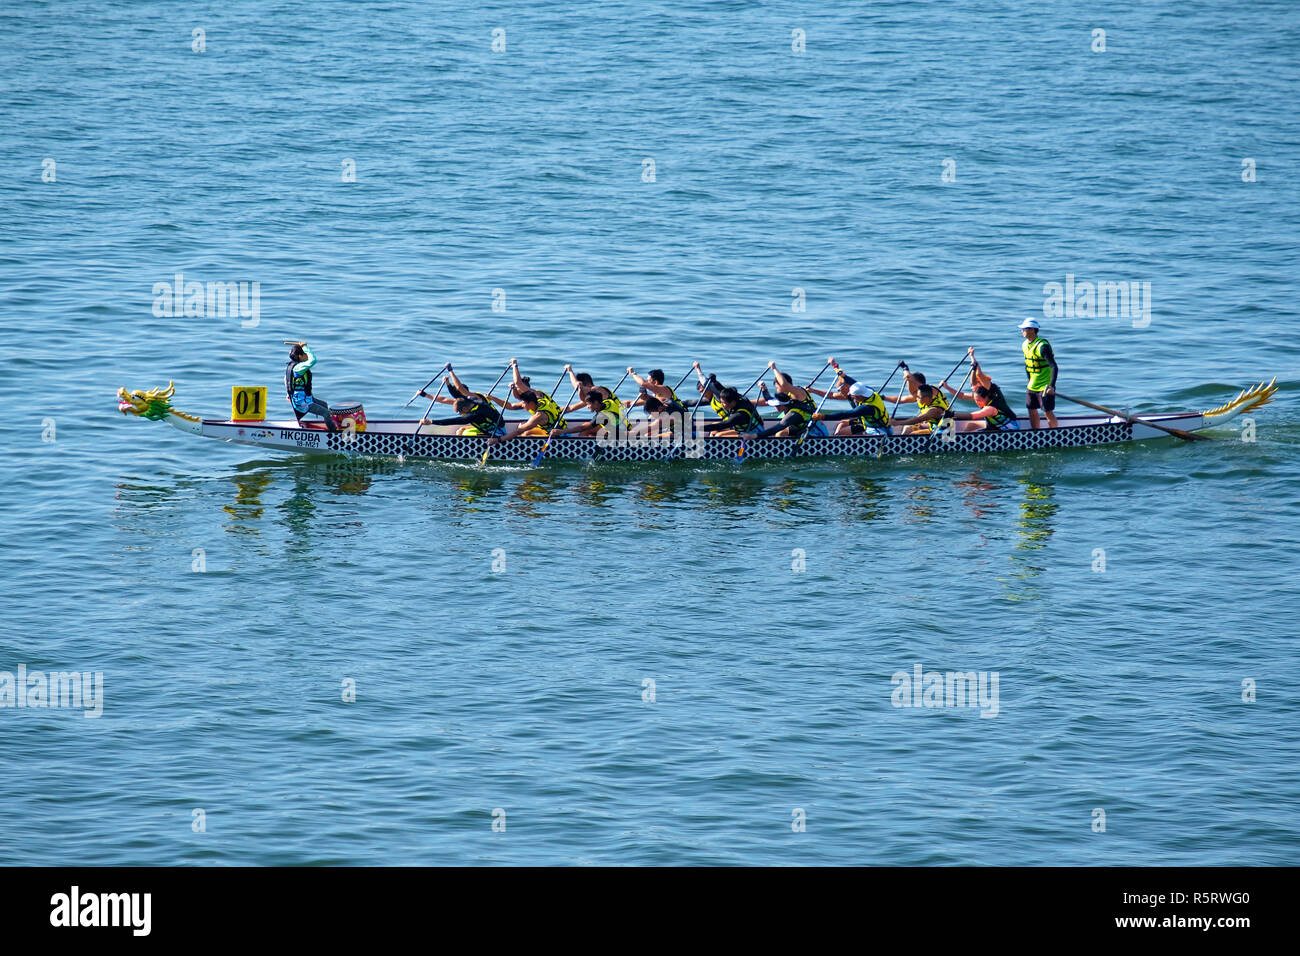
(408, 440)
(390, 439)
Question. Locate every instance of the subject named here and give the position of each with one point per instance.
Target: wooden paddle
(1132, 420)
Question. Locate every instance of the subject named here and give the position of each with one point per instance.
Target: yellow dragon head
(153, 404)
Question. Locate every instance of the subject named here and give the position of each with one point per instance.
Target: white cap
(1028, 324)
(858, 390)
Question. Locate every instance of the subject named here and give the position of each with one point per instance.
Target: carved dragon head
(153, 404)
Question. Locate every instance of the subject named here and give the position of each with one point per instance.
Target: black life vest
(301, 382)
(1004, 413)
(755, 420)
(484, 413)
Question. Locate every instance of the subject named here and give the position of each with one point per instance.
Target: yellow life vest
(554, 417)
(1040, 372)
(613, 408)
(938, 401)
(874, 414)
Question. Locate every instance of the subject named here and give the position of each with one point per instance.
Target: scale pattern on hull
(457, 447)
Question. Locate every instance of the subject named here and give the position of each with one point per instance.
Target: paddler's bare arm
(929, 415)
(968, 396)
(446, 400)
(661, 392)
(461, 390)
(535, 420)
(784, 383)
(839, 393)
(978, 375)
(988, 411)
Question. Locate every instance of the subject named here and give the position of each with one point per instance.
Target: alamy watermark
(1098, 300)
(35, 689)
(214, 300)
(924, 688)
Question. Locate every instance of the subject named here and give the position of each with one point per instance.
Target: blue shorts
(301, 401)
(1013, 426)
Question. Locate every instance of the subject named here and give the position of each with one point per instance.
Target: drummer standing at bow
(297, 385)
(1040, 367)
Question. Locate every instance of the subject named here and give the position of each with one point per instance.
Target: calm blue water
(524, 171)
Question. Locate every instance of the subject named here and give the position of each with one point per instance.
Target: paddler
(522, 385)
(297, 385)
(456, 389)
(931, 406)
(995, 412)
(665, 421)
(796, 415)
(541, 420)
(1040, 369)
(740, 416)
(868, 416)
(712, 390)
(474, 411)
(914, 381)
(607, 418)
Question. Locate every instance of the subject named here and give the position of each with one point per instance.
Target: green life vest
(1040, 372)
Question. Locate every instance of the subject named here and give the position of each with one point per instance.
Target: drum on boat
(349, 415)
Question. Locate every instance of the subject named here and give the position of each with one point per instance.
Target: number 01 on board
(248, 403)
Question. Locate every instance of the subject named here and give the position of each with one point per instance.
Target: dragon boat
(407, 438)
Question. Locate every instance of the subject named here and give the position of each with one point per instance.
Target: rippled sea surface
(671, 664)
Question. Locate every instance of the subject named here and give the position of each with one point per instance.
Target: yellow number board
(248, 403)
